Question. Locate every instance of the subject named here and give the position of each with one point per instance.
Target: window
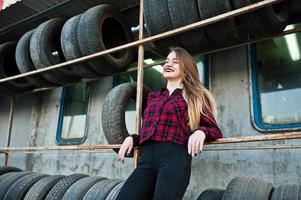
(276, 83)
(73, 114)
(154, 80)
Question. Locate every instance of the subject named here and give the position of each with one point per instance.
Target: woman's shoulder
(154, 93)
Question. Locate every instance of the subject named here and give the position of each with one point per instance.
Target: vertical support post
(139, 82)
(10, 125)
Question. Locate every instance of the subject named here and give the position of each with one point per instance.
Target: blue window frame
(276, 84)
(73, 117)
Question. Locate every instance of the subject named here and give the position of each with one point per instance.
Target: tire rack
(213, 146)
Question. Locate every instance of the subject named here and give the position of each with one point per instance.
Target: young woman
(176, 121)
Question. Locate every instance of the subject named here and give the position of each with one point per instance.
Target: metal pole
(139, 83)
(9, 128)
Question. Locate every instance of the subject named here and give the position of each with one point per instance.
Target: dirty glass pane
(279, 79)
(74, 110)
(154, 80)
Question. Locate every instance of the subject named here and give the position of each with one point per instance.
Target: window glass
(278, 82)
(73, 114)
(153, 79)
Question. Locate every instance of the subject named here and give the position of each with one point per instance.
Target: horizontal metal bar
(158, 62)
(192, 26)
(282, 136)
(247, 148)
(293, 135)
(286, 32)
(59, 148)
(161, 61)
(206, 148)
(62, 152)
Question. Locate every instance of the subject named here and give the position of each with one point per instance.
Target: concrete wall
(36, 118)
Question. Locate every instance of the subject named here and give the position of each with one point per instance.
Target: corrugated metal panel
(40, 5)
(27, 14)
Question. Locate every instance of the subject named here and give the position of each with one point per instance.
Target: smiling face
(172, 67)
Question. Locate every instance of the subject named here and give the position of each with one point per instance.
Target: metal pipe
(9, 128)
(287, 32)
(293, 135)
(207, 147)
(139, 94)
(247, 148)
(199, 24)
(283, 136)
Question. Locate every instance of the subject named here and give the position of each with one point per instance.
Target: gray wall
(36, 118)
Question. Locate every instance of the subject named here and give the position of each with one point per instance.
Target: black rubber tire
(4, 176)
(114, 192)
(287, 192)
(70, 48)
(4, 91)
(45, 37)
(211, 194)
(101, 28)
(25, 64)
(184, 12)
(8, 181)
(6, 169)
(59, 189)
(79, 188)
(113, 112)
(18, 190)
(41, 188)
(8, 67)
(157, 20)
(248, 188)
(263, 22)
(222, 33)
(100, 190)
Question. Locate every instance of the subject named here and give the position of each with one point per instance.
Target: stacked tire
(8, 67)
(58, 40)
(250, 188)
(171, 14)
(16, 184)
(113, 112)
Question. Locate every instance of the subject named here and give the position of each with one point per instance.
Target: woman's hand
(196, 142)
(125, 148)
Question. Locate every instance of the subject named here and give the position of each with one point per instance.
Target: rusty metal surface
(101, 149)
(59, 148)
(139, 94)
(283, 136)
(9, 128)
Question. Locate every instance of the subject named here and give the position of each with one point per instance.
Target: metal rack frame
(213, 146)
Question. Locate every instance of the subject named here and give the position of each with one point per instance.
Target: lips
(168, 69)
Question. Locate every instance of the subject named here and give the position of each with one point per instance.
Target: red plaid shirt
(165, 118)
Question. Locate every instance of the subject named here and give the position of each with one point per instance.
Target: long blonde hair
(199, 100)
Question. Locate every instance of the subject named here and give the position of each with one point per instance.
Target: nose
(167, 64)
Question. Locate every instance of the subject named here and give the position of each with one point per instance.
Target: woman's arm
(210, 128)
(136, 139)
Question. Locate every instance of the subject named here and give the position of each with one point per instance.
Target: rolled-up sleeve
(210, 128)
(136, 139)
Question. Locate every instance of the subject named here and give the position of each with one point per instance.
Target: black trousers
(163, 172)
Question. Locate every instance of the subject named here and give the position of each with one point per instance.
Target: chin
(168, 77)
